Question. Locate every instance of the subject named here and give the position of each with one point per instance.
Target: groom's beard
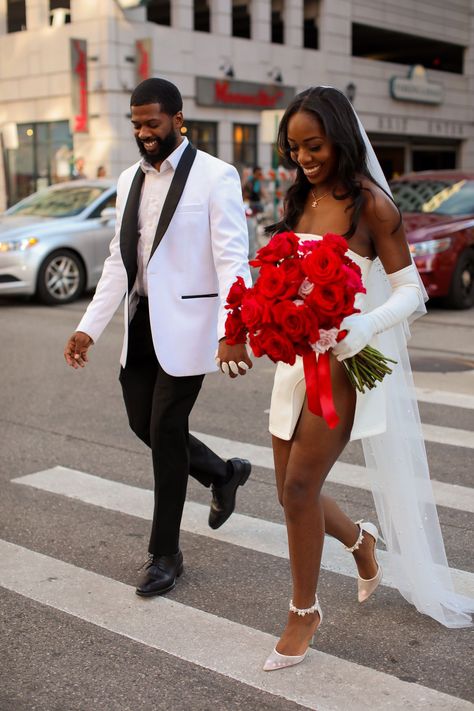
(164, 148)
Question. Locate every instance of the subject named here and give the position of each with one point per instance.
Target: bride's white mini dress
(388, 424)
(289, 388)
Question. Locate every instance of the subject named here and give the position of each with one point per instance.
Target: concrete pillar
(182, 14)
(82, 10)
(37, 14)
(261, 13)
(466, 158)
(335, 27)
(221, 17)
(293, 21)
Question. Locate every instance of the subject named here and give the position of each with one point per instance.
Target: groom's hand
(233, 360)
(76, 349)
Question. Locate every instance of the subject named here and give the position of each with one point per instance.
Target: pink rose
(306, 287)
(327, 339)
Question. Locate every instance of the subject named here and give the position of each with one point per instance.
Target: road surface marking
(245, 531)
(323, 682)
(451, 495)
(443, 397)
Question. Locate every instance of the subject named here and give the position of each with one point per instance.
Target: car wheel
(461, 291)
(61, 278)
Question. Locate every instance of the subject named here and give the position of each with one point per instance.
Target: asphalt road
(74, 635)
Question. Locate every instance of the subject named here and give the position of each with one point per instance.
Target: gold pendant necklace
(316, 200)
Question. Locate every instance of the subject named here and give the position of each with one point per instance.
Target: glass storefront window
(44, 156)
(203, 135)
(245, 146)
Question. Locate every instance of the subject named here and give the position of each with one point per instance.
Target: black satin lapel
(129, 228)
(174, 194)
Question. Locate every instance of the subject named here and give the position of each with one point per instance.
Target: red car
(438, 214)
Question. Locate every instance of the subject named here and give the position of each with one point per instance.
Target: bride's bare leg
(314, 450)
(336, 523)
(340, 526)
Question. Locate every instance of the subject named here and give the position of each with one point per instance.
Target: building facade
(67, 68)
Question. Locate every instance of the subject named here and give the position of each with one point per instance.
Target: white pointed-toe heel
(365, 587)
(280, 661)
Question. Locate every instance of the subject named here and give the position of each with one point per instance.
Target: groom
(181, 240)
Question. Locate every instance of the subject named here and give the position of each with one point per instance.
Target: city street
(75, 515)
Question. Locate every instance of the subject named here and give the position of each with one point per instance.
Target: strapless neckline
(355, 254)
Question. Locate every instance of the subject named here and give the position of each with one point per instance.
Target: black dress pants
(158, 407)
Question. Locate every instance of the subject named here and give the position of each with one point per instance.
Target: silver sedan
(54, 242)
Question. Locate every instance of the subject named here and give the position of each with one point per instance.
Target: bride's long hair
(339, 121)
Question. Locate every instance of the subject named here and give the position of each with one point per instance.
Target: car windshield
(441, 197)
(62, 202)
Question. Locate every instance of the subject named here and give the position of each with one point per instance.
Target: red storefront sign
(143, 59)
(79, 98)
(224, 94)
(242, 94)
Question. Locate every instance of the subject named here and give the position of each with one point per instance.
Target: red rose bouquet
(303, 292)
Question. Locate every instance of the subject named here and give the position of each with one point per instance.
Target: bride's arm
(388, 237)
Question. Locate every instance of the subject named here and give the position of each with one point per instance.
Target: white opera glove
(403, 301)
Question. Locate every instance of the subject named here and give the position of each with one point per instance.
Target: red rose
(279, 247)
(335, 242)
(323, 265)
(271, 282)
(297, 321)
(294, 275)
(254, 310)
(274, 344)
(308, 245)
(328, 301)
(235, 331)
(236, 292)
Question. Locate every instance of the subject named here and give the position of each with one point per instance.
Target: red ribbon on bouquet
(317, 373)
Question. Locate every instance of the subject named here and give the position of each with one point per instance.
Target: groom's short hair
(158, 91)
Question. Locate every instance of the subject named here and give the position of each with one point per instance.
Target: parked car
(54, 242)
(438, 213)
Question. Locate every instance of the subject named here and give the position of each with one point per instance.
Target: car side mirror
(108, 214)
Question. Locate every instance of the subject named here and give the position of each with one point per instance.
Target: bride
(339, 187)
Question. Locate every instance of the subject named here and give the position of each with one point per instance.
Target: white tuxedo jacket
(190, 272)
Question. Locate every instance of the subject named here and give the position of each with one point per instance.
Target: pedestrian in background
(78, 170)
(253, 188)
(180, 242)
(101, 172)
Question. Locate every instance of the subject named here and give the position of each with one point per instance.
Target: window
(245, 146)
(159, 11)
(202, 16)
(240, 19)
(16, 15)
(203, 134)
(310, 27)
(402, 48)
(60, 11)
(44, 156)
(277, 22)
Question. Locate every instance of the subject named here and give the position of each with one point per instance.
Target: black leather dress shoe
(161, 574)
(223, 497)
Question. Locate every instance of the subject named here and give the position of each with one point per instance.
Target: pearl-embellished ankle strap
(360, 538)
(306, 610)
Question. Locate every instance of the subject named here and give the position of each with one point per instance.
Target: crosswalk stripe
(448, 435)
(451, 495)
(443, 397)
(223, 646)
(245, 531)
